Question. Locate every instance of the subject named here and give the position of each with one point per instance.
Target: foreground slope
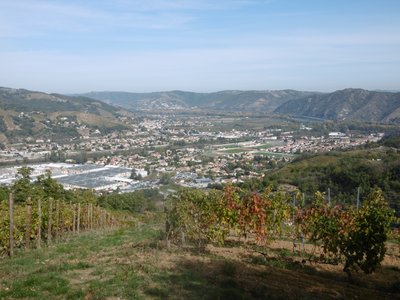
(133, 263)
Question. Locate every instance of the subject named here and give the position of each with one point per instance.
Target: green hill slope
(31, 114)
(343, 173)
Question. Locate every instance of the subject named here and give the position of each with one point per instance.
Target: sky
(76, 46)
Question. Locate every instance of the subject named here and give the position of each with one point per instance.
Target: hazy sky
(199, 45)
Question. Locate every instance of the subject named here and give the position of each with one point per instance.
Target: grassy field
(242, 147)
(235, 150)
(133, 263)
(276, 154)
(231, 146)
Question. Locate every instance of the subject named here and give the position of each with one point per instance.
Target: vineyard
(34, 223)
(345, 234)
(196, 244)
(229, 244)
(37, 213)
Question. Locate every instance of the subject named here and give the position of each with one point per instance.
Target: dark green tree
(48, 186)
(22, 187)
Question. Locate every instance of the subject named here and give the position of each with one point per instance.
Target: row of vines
(41, 221)
(354, 236)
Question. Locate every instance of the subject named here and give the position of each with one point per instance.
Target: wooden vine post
(39, 231)
(70, 207)
(73, 218)
(28, 223)
(11, 214)
(78, 218)
(96, 217)
(50, 220)
(88, 217)
(62, 219)
(91, 216)
(57, 219)
(101, 218)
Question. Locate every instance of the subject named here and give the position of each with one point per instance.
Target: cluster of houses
(190, 150)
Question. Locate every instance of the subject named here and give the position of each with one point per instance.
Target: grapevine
(345, 234)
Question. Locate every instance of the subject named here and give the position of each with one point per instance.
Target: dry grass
(133, 263)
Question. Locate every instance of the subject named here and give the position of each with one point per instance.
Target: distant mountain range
(347, 104)
(265, 101)
(101, 109)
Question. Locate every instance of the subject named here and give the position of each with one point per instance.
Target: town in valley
(192, 150)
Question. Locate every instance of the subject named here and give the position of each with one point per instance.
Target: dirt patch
(290, 277)
(81, 277)
(3, 138)
(9, 123)
(96, 120)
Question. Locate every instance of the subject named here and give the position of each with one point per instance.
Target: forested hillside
(342, 172)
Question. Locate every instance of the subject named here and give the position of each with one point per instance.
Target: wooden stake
(88, 217)
(39, 231)
(50, 220)
(28, 223)
(96, 225)
(57, 219)
(91, 216)
(70, 208)
(74, 218)
(78, 218)
(62, 219)
(11, 215)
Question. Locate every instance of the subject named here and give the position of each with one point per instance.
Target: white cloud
(33, 18)
(30, 17)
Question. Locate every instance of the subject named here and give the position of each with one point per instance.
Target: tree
(165, 179)
(211, 174)
(135, 175)
(148, 169)
(22, 186)
(364, 246)
(54, 156)
(3, 193)
(49, 186)
(82, 157)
